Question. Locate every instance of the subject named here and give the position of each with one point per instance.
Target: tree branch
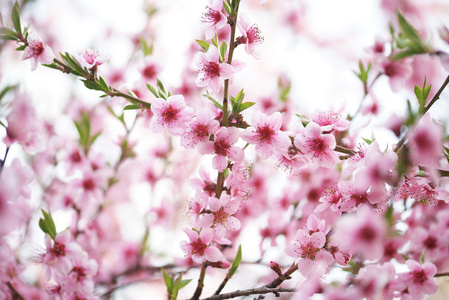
(256, 291)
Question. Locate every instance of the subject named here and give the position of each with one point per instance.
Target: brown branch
(15, 293)
(282, 278)
(441, 274)
(256, 291)
(199, 288)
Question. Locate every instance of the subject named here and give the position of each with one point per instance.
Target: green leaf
(131, 107)
(21, 48)
(152, 89)
(215, 41)
(214, 101)
(226, 6)
(203, 44)
(147, 50)
(47, 224)
(421, 258)
(8, 34)
(168, 281)
(6, 90)
(176, 287)
(15, 17)
(72, 62)
(237, 101)
(236, 262)
(92, 85)
(223, 50)
(185, 282)
(104, 85)
(245, 105)
(160, 86)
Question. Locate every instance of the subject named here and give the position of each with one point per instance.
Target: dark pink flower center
(80, 273)
(211, 69)
(422, 141)
(222, 147)
(220, 216)
(367, 234)
(201, 131)
(37, 47)
(317, 146)
(170, 114)
(75, 157)
(265, 134)
(419, 277)
(360, 198)
(88, 184)
(198, 247)
(254, 36)
(149, 72)
(390, 70)
(430, 242)
(211, 16)
(309, 251)
(58, 249)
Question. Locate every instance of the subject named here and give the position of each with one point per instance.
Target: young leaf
(203, 45)
(214, 101)
(15, 17)
(160, 86)
(152, 89)
(47, 224)
(245, 105)
(223, 50)
(236, 262)
(168, 281)
(131, 107)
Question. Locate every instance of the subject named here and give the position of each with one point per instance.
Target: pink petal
(213, 254)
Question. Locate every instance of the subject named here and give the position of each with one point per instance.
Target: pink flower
(362, 233)
(419, 281)
(92, 58)
(316, 146)
(213, 19)
(309, 247)
(397, 71)
(37, 51)
(59, 254)
(220, 218)
(425, 143)
(266, 135)
(199, 248)
(212, 72)
(250, 36)
(222, 146)
(172, 114)
(330, 121)
(199, 130)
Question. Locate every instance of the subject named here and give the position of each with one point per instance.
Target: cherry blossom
(172, 114)
(419, 280)
(220, 218)
(266, 135)
(37, 52)
(199, 248)
(251, 36)
(92, 58)
(199, 130)
(212, 72)
(213, 19)
(223, 148)
(316, 146)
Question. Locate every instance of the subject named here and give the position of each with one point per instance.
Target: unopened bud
(275, 267)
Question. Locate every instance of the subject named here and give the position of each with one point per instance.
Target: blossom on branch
(172, 114)
(37, 52)
(199, 248)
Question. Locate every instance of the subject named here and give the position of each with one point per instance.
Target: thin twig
(256, 291)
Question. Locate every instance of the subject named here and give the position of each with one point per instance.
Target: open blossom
(223, 147)
(419, 280)
(221, 218)
(172, 114)
(212, 73)
(59, 254)
(266, 135)
(397, 71)
(330, 121)
(309, 247)
(37, 52)
(251, 36)
(91, 58)
(199, 248)
(213, 19)
(199, 130)
(316, 146)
